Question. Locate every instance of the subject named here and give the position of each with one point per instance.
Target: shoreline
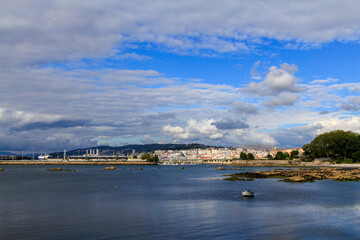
(246, 164)
(73, 163)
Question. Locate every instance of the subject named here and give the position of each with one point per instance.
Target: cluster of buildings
(218, 153)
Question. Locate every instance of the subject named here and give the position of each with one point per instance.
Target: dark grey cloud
(245, 108)
(297, 136)
(284, 99)
(47, 125)
(351, 107)
(227, 124)
(324, 112)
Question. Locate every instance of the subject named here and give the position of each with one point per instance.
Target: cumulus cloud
(278, 80)
(220, 132)
(194, 130)
(346, 123)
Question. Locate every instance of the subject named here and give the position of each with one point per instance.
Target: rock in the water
(110, 168)
(232, 178)
(182, 168)
(295, 179)
(220, 168)
(54, 169)
(1, 169)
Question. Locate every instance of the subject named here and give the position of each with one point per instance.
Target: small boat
(247, 193)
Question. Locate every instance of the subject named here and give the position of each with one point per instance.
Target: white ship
(43, 157)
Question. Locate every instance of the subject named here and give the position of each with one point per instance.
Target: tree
(150, 157)
(269, 157)
(145, 156)
(154, 158)
(356, 156)
(337, 144)
(294, 154)
(250, 156)
(280, 156)
(243, 156)
(134, 157)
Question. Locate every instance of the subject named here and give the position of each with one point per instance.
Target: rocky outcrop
(303, 174)
(110, 168)
(54, 169)
(233, 178)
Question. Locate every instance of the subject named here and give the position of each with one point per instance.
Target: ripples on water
(168, 203)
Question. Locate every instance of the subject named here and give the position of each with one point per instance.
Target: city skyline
(134, 72)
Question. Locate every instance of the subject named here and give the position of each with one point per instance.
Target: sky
(76, 74)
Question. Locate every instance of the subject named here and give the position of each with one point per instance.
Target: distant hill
(6, 153)
(260, 147)
(107, 150)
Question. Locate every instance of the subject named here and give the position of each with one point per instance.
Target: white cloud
(278, 80)
(115, 103)
(283, 99)
(208, 131)
(324, 81)
(40, 32)
(194, 130)
(251, 136)
(254, 71)
(346, 124)
(134, 56)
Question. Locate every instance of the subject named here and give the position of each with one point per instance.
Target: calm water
(164, 202)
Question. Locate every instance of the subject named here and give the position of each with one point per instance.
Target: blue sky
(221, 73)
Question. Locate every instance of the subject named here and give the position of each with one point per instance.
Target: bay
(165, 202)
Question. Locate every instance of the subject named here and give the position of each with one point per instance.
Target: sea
(166, 202)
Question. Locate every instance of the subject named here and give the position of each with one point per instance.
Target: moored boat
(247, 193)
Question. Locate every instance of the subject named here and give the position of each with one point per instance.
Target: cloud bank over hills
(120, 72)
